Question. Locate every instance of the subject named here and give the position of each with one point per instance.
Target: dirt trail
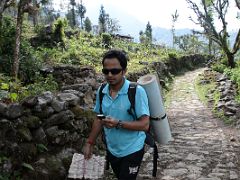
(203, 148)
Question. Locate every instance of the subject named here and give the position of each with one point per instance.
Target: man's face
(113, 71)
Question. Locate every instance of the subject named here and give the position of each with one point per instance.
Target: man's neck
(117, 87)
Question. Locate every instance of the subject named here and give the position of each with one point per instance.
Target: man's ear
(124, 71)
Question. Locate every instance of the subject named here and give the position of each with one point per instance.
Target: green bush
(234, 75)
(7, 40)
(106, 40)
(7, 36)
(42, 84)
(14, 91)
(219, 67)
(58, 30)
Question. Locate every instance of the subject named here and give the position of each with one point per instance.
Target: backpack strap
(155, 158)
(131, 96)
(101, 97)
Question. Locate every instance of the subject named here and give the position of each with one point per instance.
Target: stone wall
(44, 131)
(226, 105)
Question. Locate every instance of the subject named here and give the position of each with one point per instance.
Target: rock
(71, 99)
(59, 118)
(66, 156)
(231, 109)
(3, 109)
(14, 111)
(88, 98)
(45, 113)
(25, 133)
(52, 131)
(56, 168)
(227, 113)
(232, 139)
(39, 135)
(75, 92)
(231, 103)
(28, 151)
(31, 121)
(57, 136)
(37, 109)
(223, 77)
(48, 167)
(58, 106)
(5, 126)
(226, 92)
(80, 112)
(30, 101)
(45, 99)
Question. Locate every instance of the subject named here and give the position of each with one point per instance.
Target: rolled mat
(159, 121)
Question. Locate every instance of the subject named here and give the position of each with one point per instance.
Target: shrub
(58, 30)
(13, 91)
(106, 40)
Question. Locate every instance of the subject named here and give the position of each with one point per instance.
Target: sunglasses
(113, 71)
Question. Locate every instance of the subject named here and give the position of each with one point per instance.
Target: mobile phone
(101, 116)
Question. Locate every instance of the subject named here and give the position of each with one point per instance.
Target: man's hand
(87, 150)
(109, 122)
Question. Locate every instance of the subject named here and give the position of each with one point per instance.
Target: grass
(207, 90)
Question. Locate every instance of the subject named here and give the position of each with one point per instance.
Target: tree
(148, 32)
(35, 15)
(190, 43)
(112, 25)
(73, 4)
(174, 20)
(4, 4)
(88, 25)
(23, 6)
(142, 37)
(102, 20)
(47, 14)
(238, 3)
(205, 18)
(81, 10)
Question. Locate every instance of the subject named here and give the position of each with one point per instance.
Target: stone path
(203, 147)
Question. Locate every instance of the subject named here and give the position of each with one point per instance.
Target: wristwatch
(119, 124)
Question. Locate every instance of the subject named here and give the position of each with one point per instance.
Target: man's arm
(88, 147)
(142, 124)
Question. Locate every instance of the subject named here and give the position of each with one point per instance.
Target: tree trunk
(35, 19)
(15, 68)
(230, 57)
(210, 46)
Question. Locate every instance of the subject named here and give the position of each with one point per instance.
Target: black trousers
(126, 168)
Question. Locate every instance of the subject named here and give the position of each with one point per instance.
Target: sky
(159, 13)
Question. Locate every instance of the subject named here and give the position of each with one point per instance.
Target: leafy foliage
(102, 20)
(106, 40)
(28, 166)
(87, 25)
(234, 75)
(41, 147)
(12, 91)
(58, 30)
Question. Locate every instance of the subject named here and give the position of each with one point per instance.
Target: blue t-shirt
(122, 142)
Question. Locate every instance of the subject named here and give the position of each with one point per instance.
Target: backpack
(149, 138)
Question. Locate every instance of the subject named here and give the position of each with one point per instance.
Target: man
(124, 135)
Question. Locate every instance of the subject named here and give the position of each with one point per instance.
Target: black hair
(120, 55)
